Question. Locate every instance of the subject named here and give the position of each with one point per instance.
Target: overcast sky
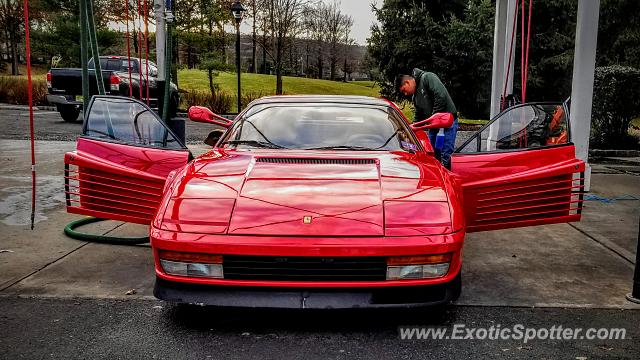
(363, 18)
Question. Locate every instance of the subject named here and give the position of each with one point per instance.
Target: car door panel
(520, 187)
(118, 180)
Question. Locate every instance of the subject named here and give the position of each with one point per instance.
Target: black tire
(69, 113)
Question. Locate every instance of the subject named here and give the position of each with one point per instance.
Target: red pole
(126, 6)
(139, 51)
(526, 61)
(30, 92)
(146, 47)
(522, 53)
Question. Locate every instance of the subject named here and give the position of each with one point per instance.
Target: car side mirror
(436, 121)
(213, 137)
(204, 115)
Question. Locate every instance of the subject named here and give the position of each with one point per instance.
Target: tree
(338, 26)
(619, 33)
(283, 23)
(316, 28)
(55, 29)
(615, 105)
(215, 13)
(411, 34)
(11, 17)
(469, 57)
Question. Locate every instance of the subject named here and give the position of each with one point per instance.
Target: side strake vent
(315, 161)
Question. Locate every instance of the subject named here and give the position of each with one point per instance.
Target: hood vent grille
(316, 161)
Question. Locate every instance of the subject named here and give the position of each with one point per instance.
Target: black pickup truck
(65, 84)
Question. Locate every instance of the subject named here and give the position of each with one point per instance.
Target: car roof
(333, 99)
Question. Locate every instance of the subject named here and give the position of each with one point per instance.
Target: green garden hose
(69, 230)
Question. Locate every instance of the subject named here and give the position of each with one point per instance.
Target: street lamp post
(238, 12)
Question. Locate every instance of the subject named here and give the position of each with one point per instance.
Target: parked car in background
(65, 84)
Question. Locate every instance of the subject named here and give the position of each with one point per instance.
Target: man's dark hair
(401, 79)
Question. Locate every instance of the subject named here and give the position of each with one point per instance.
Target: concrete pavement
(588, 264)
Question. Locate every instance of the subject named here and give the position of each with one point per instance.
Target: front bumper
(306, 298)
(306, 247)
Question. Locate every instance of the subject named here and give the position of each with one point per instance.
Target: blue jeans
(444, 155)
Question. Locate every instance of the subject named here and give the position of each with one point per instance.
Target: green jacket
(431, 96)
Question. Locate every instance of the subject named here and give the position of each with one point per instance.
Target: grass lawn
(191, 79)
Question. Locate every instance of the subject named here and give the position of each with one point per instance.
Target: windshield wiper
(341, 147)
(254, 143)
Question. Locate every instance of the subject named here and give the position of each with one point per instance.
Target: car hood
(295, 193)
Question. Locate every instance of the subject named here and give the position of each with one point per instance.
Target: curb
(614, 153)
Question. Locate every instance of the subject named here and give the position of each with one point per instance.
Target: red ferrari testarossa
(319, 201)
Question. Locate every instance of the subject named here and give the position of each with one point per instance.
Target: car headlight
(418, 267)
(191, 264)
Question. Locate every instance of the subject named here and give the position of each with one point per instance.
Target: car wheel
(69, 113)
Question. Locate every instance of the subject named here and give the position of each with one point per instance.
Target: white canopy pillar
(510, 47)
(497, 76)
(584, 62)
(158, 7)
(502, 47)
(502, 34)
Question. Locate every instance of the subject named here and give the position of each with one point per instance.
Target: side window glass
(523, 127)
(128, 121)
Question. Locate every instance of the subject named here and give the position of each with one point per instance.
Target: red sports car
(318, 201)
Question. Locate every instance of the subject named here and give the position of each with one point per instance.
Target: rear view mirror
(436, 121)
(204, 115)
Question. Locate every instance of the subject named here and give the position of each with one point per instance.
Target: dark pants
(444, 155)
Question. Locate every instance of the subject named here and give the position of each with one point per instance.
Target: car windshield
(320, 126)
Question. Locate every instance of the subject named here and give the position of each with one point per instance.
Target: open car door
(520, 170)
(121, 161)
